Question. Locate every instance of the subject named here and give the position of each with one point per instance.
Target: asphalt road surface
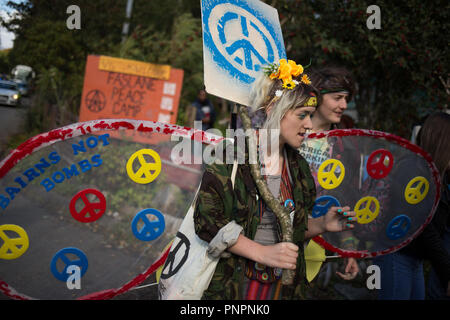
(11, 121)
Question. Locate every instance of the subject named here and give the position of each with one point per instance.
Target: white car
(9, 93)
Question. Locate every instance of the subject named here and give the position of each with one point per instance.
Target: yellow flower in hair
(305, 79)
(285, 70)
(274, 75)
(288, 84)
(297, 69)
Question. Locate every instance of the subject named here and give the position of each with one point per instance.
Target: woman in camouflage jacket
(235, 221)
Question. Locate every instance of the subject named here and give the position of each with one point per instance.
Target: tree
(400, 69)
(181, 48)
(397, 68)
(59, 54)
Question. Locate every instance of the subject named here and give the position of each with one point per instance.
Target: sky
(5, 36)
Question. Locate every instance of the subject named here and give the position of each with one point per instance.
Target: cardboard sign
(117, 95)
(239, 38)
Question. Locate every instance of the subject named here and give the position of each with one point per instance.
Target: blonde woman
(236, 222)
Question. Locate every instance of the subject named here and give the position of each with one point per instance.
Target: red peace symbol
(92, 211)
(376, 164)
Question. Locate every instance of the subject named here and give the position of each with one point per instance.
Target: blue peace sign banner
(398, 227)
(239, 38)
(64, 255)
(323, 204)
(151, 229)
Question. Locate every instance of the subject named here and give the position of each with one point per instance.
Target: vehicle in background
(9, 93)
(23, 76)
(23, 87)
(23, 73)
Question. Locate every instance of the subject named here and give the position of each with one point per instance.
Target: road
(11, 122)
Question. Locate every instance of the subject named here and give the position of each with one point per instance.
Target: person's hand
(351, 269)
(281, 255)
(339, 219)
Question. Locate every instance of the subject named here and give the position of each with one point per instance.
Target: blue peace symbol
(323, 204)
(289, 201)
(244, 44)
(81, 262)
(151, 229)
(398, 227)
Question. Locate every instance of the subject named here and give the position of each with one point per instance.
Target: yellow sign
(148, 170)
(328, 179)
(133, 67)
(13, 248)
(365, 214)
(413, 191)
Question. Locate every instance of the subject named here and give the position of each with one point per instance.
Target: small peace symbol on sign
(170, 268)
(323, 204)
(380, 163)
(148, 171)
(91, 211)
(398, 227)
(80, 261)
(151, 229)
(13, 248)
(331, 179)
(416, 190)
(95, 101)
(364, 211)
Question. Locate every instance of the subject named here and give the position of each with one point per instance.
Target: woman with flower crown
(236, 221)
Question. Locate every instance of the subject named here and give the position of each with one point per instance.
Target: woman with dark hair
(336, 88)
(239, 226)
(402, 276)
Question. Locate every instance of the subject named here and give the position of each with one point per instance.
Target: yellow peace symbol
(144, 174)
(365, 214)
(328, 179)
(13, 248)
(413, 190)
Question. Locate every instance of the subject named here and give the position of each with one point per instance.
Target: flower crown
(285, 70)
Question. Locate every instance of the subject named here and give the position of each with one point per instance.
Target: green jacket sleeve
(214, 206)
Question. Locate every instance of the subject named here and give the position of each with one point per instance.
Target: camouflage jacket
(218, 204)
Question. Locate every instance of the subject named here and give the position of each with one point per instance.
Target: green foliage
(58, 55)
(397, 67)
(5, 64)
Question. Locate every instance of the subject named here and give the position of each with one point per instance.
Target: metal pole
(126, 24)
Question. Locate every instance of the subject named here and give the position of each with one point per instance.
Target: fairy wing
(87, 210)
(391, 184)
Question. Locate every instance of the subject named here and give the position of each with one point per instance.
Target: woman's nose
(308, 123)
